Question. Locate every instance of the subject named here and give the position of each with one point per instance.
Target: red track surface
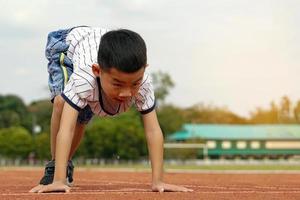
(94, 184)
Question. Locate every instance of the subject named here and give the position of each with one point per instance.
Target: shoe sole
(69, 184)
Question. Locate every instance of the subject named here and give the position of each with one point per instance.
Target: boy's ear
(96, 69)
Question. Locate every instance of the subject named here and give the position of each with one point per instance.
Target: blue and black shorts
(60, 68)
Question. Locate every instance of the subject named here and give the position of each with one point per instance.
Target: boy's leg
(84, 116)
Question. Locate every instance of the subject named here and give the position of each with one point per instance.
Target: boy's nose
(125, 93)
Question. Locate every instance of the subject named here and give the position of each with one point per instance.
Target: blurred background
(226, 77)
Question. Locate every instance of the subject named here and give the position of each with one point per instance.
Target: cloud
(15, 31)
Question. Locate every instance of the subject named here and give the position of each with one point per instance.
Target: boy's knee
(58, 103)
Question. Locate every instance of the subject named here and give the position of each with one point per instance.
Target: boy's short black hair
(122, 49)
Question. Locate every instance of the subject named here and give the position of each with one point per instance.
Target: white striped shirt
(82, 88)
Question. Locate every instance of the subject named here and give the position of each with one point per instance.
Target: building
(244, 141)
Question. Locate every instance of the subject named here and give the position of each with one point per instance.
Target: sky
(238, 54)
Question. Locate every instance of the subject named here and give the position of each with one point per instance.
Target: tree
(170, 118)
(265, 116)
(285, 110)
(13, 112)
(15, 142)
(297, 112)
(162, 83)
(9, 118)
(118, 137)
(274, 113)
(41, 113)
(42, 146)
(202, 113)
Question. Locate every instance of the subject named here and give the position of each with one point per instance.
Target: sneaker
(70, 170)
(49, 173)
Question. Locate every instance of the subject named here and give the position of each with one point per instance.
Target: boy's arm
(155, 142)
(63, 146)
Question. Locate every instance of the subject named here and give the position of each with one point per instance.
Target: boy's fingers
(42, 190)
(161, 190)
(55, 189)
(183, 189)
(67, 190)
(175, 188)
(36, 189)
(170, 188)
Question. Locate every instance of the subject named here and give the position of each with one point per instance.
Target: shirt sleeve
(145, 99)
(81, 85)
(76, 93)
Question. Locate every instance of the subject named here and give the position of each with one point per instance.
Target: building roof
(235, 132)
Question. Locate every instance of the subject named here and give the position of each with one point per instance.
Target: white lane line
(142, 192)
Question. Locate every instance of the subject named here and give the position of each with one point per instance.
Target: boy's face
(117, 85)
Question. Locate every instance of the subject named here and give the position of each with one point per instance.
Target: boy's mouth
(120, 99)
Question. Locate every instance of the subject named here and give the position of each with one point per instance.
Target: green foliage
(12, 102)
(121, 137)
(162, 83)
(41, 112)
(181, 153)
(42, 146)
(8, 118)
(170, 118)
(13, 112)
(15, 142)
(207, 114)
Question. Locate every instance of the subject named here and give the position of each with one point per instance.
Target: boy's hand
(56, 186)
(163, 187)
(36, 188)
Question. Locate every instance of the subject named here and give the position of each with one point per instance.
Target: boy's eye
(136, 84)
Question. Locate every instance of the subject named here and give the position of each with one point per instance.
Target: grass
(237, 167)
(198, 167)
(188, 167)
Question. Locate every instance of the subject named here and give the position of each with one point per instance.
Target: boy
(105, 78)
